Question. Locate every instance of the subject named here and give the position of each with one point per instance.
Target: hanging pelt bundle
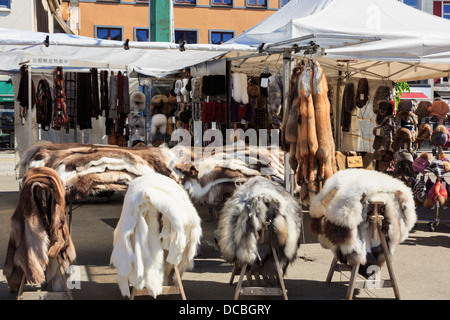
(158, 228)
(39, 230)
(362, 93)
(260, 215)
(340, 215)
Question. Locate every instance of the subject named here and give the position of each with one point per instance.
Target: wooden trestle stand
(375, 223)
(166, 290)
(46, 295)
(260, 284)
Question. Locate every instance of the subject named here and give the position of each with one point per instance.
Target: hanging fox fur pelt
(341, 220)
(315, 149)
(326, 151)
(39, 231)
(158, 228)
(289, 134)
(253, 205)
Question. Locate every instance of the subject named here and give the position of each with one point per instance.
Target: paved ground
(421, 263)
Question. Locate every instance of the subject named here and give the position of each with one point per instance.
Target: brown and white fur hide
(87, 169)
(158, 228)
(341, 221)
(39, 231)
(255, 204)
(214, 178)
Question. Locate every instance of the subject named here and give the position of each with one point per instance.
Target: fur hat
(439, 108)
(159, 122)
(383, 93)
(424, 133)
(421, 163)
(423, 110)
(439, 136)
(137, 101)
(385, 109)
(184, 90)
(405, 105)
(158, 103)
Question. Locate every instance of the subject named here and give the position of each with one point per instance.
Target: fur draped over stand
(88, 170)
(158, 228)
(39, 231)
(341, 220)
(256, 205)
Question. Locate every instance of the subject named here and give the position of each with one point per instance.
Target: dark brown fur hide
(39, 230)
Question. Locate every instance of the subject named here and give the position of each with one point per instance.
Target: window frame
(185, 2)
(187, 30)
(256, 5)
(135, 31)
(419, 4)
(225, 5)
(97, 27)
(6, 7)
(232, 32)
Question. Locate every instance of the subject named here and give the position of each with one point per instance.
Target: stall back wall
(363, 120)
(96, 135)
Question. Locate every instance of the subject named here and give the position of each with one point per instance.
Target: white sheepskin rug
(256, 205)
(341, 221)
(158, 228)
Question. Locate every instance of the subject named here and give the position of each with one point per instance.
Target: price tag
(264, 82)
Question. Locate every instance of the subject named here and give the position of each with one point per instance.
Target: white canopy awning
(152, 58)
(380, 39)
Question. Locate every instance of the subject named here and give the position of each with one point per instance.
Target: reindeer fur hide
(39, 230)
(341, 221)
(158, 228)
(214, 178)
(244, 215)
(88, 169)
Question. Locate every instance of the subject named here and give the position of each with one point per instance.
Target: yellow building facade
(195, 21)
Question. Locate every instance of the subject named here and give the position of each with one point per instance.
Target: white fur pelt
(342, 224)
(244, 215)
(158, 228)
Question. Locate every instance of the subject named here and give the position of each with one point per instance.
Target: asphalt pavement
(421, 263)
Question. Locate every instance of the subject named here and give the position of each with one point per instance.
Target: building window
(142, 1)
(190, 36)
(109, 33)
(257, 3)
(141, 34)
(413, 3)
(283, 2)
(218, 37)
(5, 4)
(446, 10)
(227, 3)
(191, 2)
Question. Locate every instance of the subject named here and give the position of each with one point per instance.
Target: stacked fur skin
(87, 170)
(242, 219)
(342, 225)
(39, 232)
(158, 228)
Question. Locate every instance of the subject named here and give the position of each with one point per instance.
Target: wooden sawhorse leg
(269, 280)
(166, 290)
(64, 280)
(376, 221)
